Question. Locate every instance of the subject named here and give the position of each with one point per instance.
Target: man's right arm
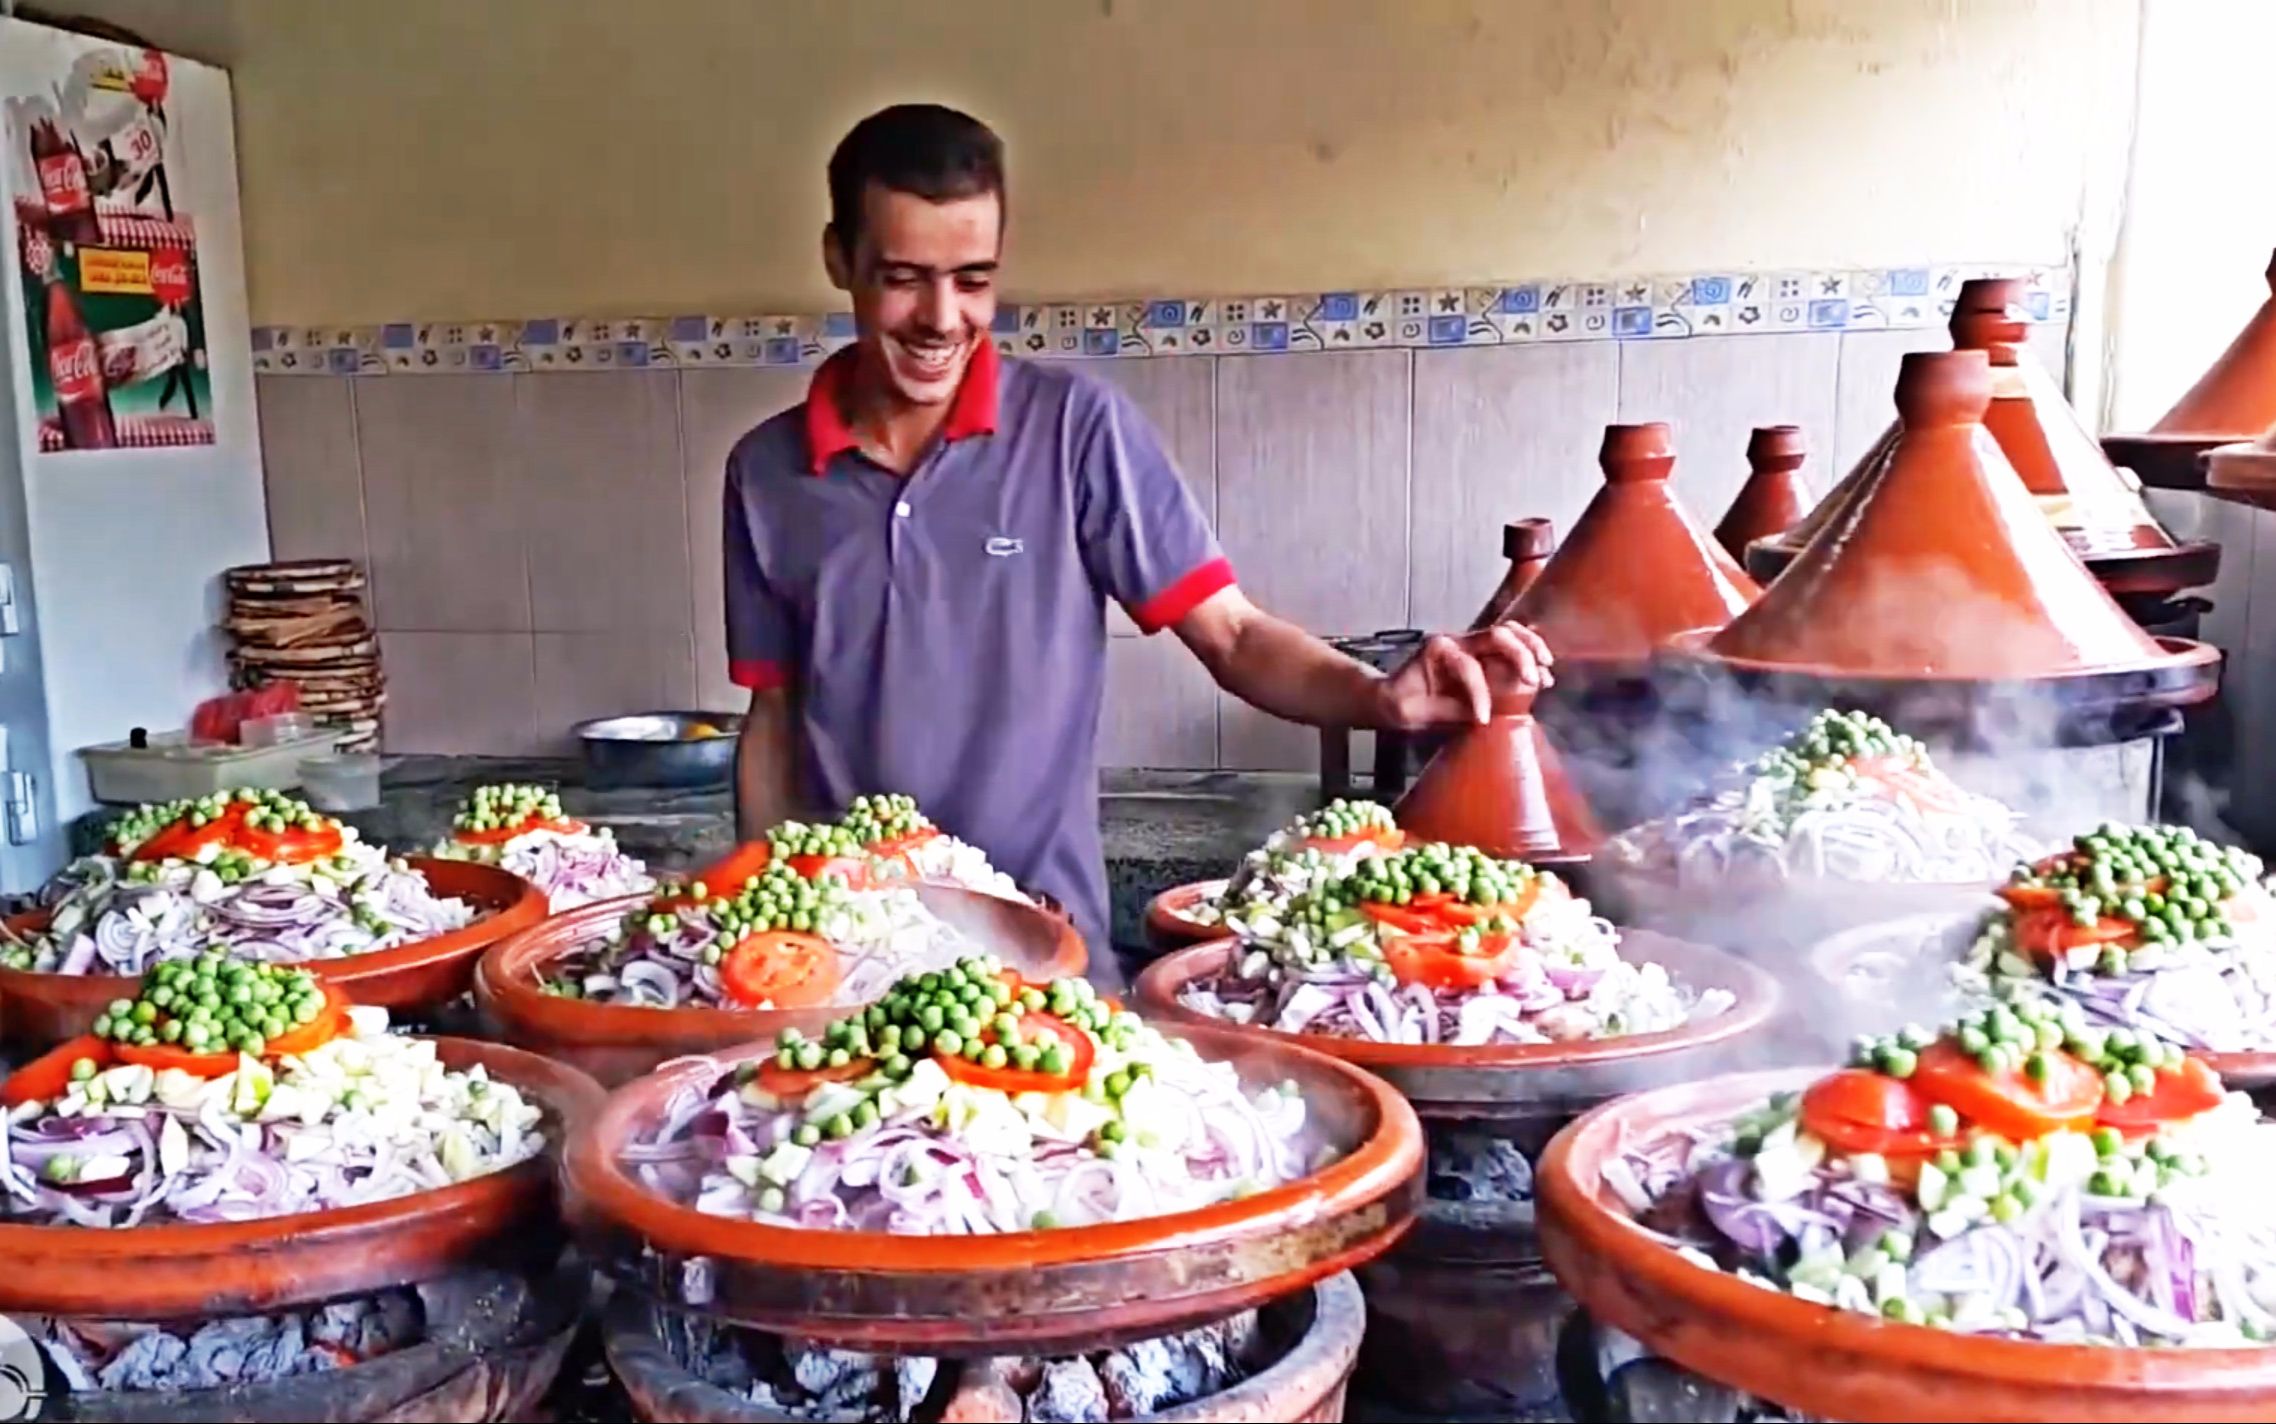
(766, 764)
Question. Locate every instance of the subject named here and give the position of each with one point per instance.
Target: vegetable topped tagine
(1848, 798)
(2152, 930)
(1316, 846)
(967, 1100)
(2023, 1177)
(257, 872)
(523, 829)
(227, 1091)
(1438, 944)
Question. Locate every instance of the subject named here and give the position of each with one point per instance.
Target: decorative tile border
(1630, 309)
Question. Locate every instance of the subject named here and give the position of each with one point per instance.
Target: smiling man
(918, 558)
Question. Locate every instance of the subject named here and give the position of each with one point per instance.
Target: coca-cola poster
(107, 258)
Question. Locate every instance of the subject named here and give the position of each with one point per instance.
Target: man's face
(923, 281)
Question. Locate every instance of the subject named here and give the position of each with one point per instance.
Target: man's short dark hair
(930, 150)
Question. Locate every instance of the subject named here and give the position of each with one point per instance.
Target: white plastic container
(278, 730)
(172, 767)
(341, 781)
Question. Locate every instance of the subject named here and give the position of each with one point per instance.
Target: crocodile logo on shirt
(1003, 547)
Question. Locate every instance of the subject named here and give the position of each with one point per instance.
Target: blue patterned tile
(1007, 322)
(1339, 306)
(838, 325)
(1908, 282)
(782, 351)
(343, 360)
(1268, 336)
(1166, 314)
(1710, 291)
(690, 328)
(1632, 321)
(1521, 301)
(1447, 330)
(1101, 341)
(402, 335)
(2039, 304)
(1829, 313)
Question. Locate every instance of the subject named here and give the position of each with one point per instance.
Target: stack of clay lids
(2233, 402)
(1636, 570)
(1941, 568)
(304, 621)
(1774, 498)
(1500, 787)
(2097, 507)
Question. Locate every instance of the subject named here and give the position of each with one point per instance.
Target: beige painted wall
(424, 158)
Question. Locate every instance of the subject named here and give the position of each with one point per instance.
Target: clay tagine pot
(618, 1042)
(1774, 498)
(1941, 568)
(1636, 569)
(1055, 1291)
(2232, 402)
(2244, 472)
(1527, 544)
(1501, 788)
(2097, 507)
(1819, 1361)
(1170, 919)
(43, 1009)
(198, 1270)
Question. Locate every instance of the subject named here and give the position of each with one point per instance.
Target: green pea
(806, 1135)
(948, 1043)
(839, 1127)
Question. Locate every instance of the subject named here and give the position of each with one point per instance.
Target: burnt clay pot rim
(1758, 998)
(1387, 1159)
(508, 904)
(1691, 647)
(504, 989)
(462, 1210)
(1305, 1375)
(1590, 1240)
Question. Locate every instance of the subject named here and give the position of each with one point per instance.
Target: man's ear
(836, 260)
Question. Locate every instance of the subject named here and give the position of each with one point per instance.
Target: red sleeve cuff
(758, 676)
(1169, 607)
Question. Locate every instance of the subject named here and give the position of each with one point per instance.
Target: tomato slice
(893, 847)
(1035, 1026)
(1437, 960)
(1859, 1110)
(49, 1075)
(499, 835)
(2048, 933)
(158, 1057)
(1385, 838)
(2181, 1093)
(791, 1084)
(780, 967)
(329, 1023)
(181, 840)
(1410, 919)
(852, 869)
(1908, 781)
(2012, 1104)
(296, 845)
(732, 871)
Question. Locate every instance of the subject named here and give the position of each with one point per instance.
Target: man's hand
(1457, 679)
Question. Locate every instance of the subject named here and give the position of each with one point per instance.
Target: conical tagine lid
(1941, 564)
(1774, 499)
(2236, 397)
(1500, 787)
(2245, 471)
(2097, 509)
(1636, 570)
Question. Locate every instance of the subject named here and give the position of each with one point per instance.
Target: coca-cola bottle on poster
(64, 189)
(75, 369)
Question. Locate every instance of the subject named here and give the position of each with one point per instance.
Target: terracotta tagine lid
(1637, 568)
(2097, 508)
(1527, 544)
(1939, 566)
(2237, 394)
(1500, 787)
(1818, 1361)
(2244, 472)
(1774, 498)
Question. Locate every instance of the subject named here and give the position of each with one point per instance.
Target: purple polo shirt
(946, 632)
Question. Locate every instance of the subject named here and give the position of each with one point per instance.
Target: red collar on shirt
(972, 412)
